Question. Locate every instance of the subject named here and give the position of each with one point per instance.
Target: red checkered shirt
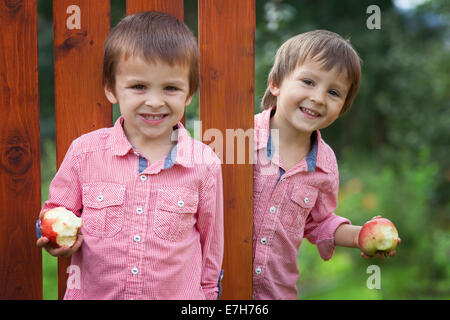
(288, 206)
(150, 232)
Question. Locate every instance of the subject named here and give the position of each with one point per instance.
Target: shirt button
(100, 198)
(272, 209)
(139, 210)
(258, 270)
(180, 203)
(137, 238)
(134, 271)
(283, 179)
(143, 177)
(264, 240)
(306, 200)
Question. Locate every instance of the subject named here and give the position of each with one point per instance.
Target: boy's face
(310, 98)
(152, 98)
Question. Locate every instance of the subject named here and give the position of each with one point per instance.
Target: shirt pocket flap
(101, 195)
(305, 196)
(177, 199)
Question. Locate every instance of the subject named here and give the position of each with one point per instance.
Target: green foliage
(402, 192)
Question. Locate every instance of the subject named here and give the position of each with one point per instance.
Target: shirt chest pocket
(174, 214)
(103, 209)
(302, 200)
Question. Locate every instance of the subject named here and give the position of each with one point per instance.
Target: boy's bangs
(337, 57)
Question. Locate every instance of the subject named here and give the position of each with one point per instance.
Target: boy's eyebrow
(174, 81)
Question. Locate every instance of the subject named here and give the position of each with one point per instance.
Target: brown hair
(322, 45)
(155, 36)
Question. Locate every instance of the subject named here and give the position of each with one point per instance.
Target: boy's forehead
(132, 63)
(322, 65)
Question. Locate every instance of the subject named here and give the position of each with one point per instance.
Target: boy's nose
(154, 101)
(318, 96)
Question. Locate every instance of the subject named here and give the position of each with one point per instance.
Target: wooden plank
(172, 7)
(80, 29)
(20, 178)
(226, 40)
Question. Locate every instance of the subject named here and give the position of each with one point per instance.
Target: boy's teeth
(309, 112)
(149, 117)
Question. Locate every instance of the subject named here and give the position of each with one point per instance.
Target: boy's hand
(381, 255)
(62, 252)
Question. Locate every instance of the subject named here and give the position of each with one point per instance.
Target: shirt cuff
(325, 244)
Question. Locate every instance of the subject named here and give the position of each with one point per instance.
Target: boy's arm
(65, 188)
(210, 227)
(347, 236)
(64, 191)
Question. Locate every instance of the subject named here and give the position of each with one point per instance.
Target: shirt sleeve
(210, 227)
(65, 189)
(322, 222)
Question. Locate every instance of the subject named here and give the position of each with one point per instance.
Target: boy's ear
(110, 95)
(188, 100)
(274, 89)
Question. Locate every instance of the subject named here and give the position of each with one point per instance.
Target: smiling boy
(152, 216)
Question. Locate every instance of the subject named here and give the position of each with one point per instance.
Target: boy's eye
(335, 93)
(308, 82)
(171, 88)
(138, 87)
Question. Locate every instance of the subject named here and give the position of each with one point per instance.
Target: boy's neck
(288, 136)
(291, 145)
(153, 149)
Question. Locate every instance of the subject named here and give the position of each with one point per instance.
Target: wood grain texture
(20, 180)
(172, 7)
(226, 41)
(80, 102)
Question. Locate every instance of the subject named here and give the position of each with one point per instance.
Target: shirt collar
(121, 146)
(315, 158)
(182, 151)
(178, 154)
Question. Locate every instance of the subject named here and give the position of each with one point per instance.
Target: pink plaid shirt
(288, 206)
(150, 232)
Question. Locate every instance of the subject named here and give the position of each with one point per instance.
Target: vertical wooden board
(172, 7)
(226, 39)
(20, 180)
(80, 30)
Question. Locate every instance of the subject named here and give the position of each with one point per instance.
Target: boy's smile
(152, 99)
(310, 97)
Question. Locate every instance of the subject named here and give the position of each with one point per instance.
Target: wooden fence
(226, 43)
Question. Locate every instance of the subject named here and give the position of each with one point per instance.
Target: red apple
(378, 234)
(60, 226)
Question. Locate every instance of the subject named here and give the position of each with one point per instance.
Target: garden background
(390, 147)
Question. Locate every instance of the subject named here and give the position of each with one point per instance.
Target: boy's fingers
(78, 243)
(41, 242)
(381, 255)
(60, 252)
(365, 256)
